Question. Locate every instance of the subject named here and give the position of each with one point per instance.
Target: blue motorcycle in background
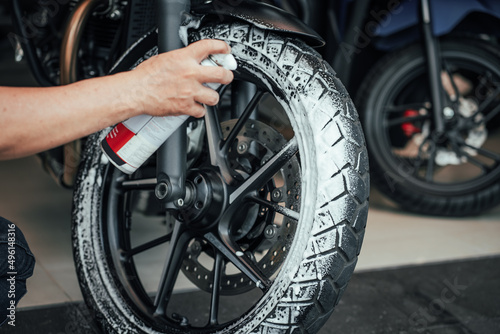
(426, 80)
(431, 107)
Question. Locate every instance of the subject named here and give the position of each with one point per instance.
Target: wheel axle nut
(276, 195)
(242, 148)
(270, 231)
(196, 248)
(162, 190)
(448, 112)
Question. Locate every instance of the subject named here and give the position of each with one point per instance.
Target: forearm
(37, 119)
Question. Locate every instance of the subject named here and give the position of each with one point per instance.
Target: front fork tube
(434, 67)
(171, 167)
(171, 157)
(242, 93)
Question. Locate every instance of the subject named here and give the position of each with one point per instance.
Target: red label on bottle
(118, 137)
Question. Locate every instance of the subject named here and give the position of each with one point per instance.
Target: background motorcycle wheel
(302, 228)
(453, 175)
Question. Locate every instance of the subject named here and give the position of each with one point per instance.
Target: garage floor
(397, 274)
(31, 199)
(458, 297)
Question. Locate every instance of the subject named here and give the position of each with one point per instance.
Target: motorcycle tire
(307, 253)
(457, 174)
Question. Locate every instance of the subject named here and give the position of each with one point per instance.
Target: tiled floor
(32, 200)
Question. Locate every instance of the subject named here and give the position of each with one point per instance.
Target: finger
(198, 110)
(194, 109)
(202, 49)
(207, 96)
(214, 74)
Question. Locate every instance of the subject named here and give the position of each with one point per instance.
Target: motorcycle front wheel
(271, 237)
(456, 173)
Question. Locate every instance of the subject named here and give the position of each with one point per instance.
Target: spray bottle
(133, 141)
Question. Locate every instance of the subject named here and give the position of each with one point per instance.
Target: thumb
(202, 49)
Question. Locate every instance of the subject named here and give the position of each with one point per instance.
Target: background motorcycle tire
(333, 200)
(400, 80)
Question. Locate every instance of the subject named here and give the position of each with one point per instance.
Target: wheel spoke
(148, 245)
(401, 120)
(486, 153)
(487, 102)
(139, 184)
(266, 172)
(456, 92)
(405, 107)
(420, 160)
(491, 114)
(242, 120)
(214, 301)
(417, 164)
(484, 168)
(429, 175)
(173, 262)
(214, 139)
(279, 209)
(234, 254)
(214, 135)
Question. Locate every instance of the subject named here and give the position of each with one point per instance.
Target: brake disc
(265, 236)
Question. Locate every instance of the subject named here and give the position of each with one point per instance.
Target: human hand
(172, 83)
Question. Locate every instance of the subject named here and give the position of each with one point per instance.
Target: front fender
(262, 15)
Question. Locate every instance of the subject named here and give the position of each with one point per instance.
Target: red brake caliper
(408, 128)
